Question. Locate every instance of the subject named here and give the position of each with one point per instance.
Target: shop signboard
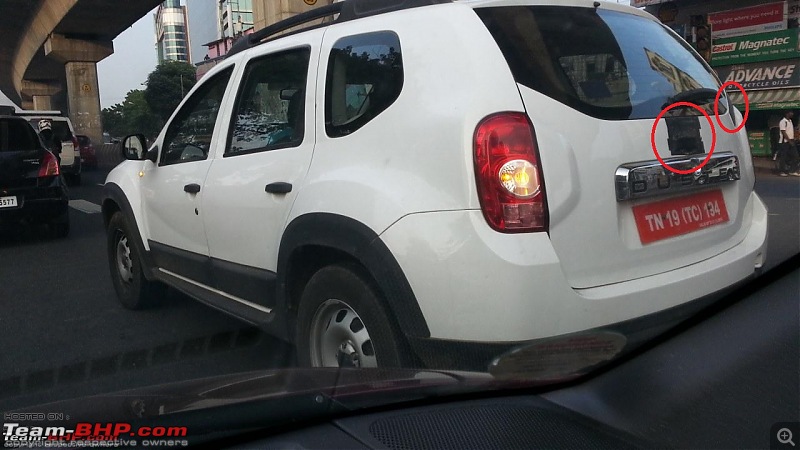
(764, 75)
(756, 47)
(753, 19)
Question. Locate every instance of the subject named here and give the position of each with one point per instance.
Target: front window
(189, 136)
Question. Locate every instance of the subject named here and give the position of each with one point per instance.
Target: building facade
(755, 43)
(171, 32)
(235, 16)
(267, 12)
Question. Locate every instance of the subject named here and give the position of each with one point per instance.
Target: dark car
(88, 154)
(32, 189)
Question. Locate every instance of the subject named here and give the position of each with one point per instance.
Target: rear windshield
(17, 136)
(60, 129)
(606, 64)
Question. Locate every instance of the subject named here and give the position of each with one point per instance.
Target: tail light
(49, 166)
(509, 175)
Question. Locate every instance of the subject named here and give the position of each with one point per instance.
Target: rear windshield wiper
(692, 95)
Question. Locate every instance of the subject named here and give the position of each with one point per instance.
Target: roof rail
(347, 10)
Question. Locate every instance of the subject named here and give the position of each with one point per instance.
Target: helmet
(45, 124)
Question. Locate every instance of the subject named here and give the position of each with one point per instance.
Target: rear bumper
(476, 285)
(37, 205)
(445, 354)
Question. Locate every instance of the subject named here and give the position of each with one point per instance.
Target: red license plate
(677, 216)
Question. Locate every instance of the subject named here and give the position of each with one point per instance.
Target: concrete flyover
(50, 50)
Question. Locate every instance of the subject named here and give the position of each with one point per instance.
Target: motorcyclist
(49, 138)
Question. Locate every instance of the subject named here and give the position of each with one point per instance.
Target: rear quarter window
(17, 135)
(607, 64)
(364, 77)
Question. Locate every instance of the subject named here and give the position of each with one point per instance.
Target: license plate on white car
(8, 202)
(674, 217)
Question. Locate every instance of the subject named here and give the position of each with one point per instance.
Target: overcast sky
(133, 59)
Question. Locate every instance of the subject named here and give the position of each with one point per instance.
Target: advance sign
(775, 75)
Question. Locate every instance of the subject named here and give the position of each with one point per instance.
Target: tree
(167, 85)
(132, 116)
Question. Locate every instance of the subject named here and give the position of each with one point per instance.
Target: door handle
(193, 188)
(278, 188)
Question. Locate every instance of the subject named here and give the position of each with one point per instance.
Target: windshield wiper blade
(692, 95)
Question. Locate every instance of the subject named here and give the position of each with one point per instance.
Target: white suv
(439, 182)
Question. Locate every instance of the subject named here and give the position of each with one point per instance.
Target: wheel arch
(315, 240)
(115, 200)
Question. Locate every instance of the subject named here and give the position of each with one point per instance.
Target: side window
(365, 76)
(188, 137)
(270, 107)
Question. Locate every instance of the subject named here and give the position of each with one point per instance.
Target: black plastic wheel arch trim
(362, 244)
(113, 193)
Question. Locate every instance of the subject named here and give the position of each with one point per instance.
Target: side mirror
(133, 147)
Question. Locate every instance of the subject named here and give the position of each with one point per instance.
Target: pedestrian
(786, 147)
(49, 138)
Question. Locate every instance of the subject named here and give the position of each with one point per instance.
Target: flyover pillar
(80, 59)
(42, 103)
(41, 93)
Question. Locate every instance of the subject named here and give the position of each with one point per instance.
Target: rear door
(256, 179)
(593, 81)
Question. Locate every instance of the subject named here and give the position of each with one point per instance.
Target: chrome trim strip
(218, 292)
(650, 179)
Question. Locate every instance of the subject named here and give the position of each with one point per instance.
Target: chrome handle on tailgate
(651, 179)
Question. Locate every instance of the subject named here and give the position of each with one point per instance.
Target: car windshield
(236, 217)
(16, 136)
(60, 128)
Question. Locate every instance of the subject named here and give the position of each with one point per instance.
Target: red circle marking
(746, 106)
(713, 137)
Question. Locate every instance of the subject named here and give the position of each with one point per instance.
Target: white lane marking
(84, 206)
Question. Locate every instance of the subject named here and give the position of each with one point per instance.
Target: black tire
(343, 283)
(60, 226)
(135, 291)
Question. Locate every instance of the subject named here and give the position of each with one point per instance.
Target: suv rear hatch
(20, 155)
(592, 81)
